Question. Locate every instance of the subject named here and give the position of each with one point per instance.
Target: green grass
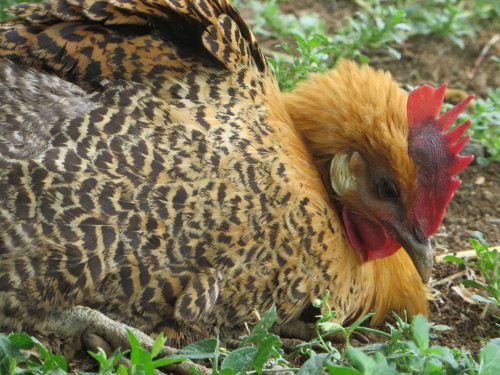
(377, 24)
(271, 22)
(485, 127)
(407, 350)
(487, 263)
(14, 359)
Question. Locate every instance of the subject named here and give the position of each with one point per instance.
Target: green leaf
(360, 360)
(116, 356)
(199, 350)
(443, 354)
(41, 349)
(134, 343)
(264, 350)
(22, 341)
(12, 367)
(314, 42)
(314, 365)
(56, 362)
(8, 349)
(142, 357)
(489, 357)
(53, 363)
(267, 320)
(454, 259)
(375, 347)
(331, 327)
(121, 370)
(360, 321)
(482, 299)
(480, 237)
(167, 361)
(478, 245)
(363, 59)
(100, 357)
(240, 359)
(260, 330)
(61, 362)
(472, 284)
(440, 327)
(195, 371)
(139, 356)
(158, 344)
(335, 370)
(33, 361)
(300, 41)
(420, 332)
(394, 52)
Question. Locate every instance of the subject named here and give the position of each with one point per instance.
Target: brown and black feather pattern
(84, 41)
(174, 193)
(165, 204)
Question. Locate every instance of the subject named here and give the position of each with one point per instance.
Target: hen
(152, 170)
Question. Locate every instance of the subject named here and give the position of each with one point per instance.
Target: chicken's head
(384, 156)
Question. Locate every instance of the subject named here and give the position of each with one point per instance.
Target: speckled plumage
(85, 41)
(175, 193)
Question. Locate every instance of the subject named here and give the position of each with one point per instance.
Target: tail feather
(85, 41)
(234, 33)
(38, 11)
(223, 40)
(108, 11)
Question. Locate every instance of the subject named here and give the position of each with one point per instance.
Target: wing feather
(169, 170)
(85, 41)
(31, 105)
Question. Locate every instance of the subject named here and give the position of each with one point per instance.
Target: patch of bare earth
(475, 207)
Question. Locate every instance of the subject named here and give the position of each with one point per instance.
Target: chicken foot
(88, 328)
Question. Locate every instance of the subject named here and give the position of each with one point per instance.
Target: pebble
(487, 195)
(480, 180)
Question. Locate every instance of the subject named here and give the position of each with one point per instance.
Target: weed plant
(406, 351)
(485, 127)
(487, 263)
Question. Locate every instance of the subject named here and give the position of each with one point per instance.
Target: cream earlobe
(342, 177)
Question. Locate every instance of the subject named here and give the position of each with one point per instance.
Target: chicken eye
(387, 189)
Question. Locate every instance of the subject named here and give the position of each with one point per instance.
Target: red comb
(435, 152)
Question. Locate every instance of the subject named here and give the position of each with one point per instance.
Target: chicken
(152, 170)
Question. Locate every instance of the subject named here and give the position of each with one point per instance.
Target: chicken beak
(419, 249)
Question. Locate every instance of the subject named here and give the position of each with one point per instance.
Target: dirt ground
(476, 206)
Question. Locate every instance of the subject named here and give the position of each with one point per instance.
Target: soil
(476, 206)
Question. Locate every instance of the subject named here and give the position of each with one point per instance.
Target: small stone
(487, 195)
(480, 180)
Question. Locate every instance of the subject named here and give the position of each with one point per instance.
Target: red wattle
(371, 240)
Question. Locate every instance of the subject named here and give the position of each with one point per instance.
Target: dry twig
(483, 54)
